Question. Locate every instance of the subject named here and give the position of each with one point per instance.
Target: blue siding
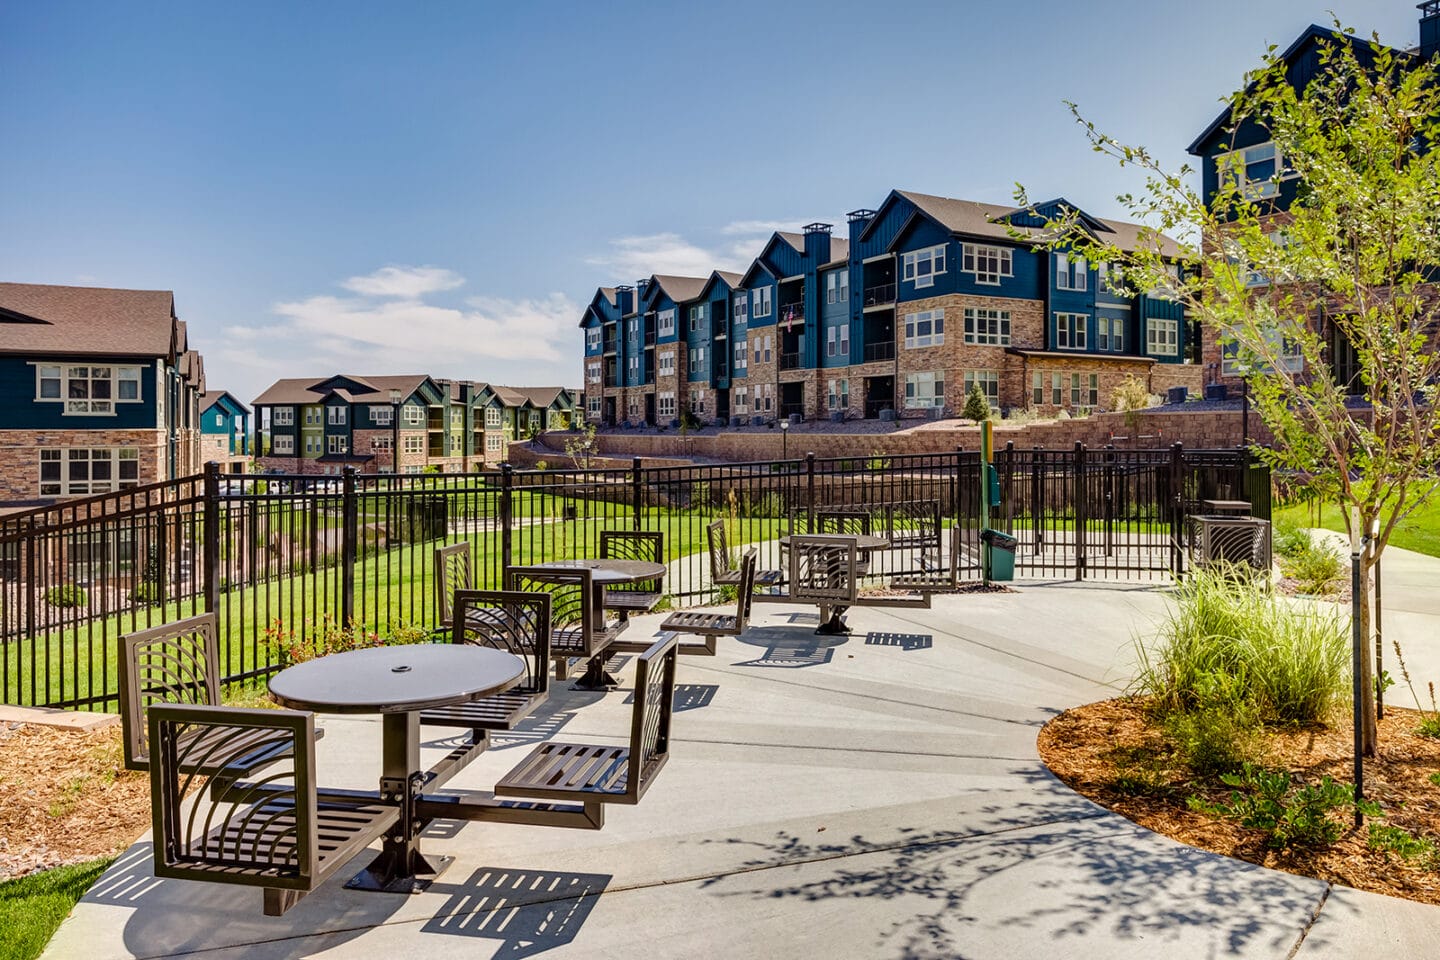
(832, 315)
(19, 410)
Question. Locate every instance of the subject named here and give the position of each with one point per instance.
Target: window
(1057, 388)
(592, 372)
(665, 326)
(925, 329)
(84, 470)
(382, 416)
(697, 318)
(837, 341)
(1110, 279)
(760, 302)
(767, 392)
(1071, 273)
(769, 345)
(282, 416)
(632, 364)
(665, 404)
(457, 418)
(739, 400)
(339, 444)
(667, 363)
(697, 402)
(1071, 329)
(1037, 388)
(336, 416)
(492, 418)
(1167, 290)
(988, 381)
(742, 307)
(632, 330)
(219, 419)
(837, 286)
(921, 266)
(1292, 358)
(1110, 334)
(312, 446)
(924, 390)
(1255, 171)
(592, 339)
(414, 444)
(414, 416)
(592, 404)
(282, 445)
(492, 444)
(697, 358)
(87, 389)
(839, 394)
(742, 355)
(1162, 337)
(988, 263)
(381, 443)
(987, 327)
(1084, 389)
(312, 416)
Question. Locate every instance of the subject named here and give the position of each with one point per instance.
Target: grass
(1420, 531)
(32, 907)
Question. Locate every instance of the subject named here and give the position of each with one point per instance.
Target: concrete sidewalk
(872, 796)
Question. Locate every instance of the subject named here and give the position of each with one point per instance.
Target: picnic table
(606, 573)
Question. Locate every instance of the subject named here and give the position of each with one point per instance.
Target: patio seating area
(878, 794)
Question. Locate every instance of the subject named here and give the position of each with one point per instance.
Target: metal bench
(643, 596)
(938, 573)
(578, 627)
(517, 623)
(177, 662)
(712, 625)
(277, 835)
(723, 571)
(846, 520)
(596, 774)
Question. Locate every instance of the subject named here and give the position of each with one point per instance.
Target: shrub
(1215, 739)
(1288, 538)
(1313, 564)
(977, 406)
(1290, 815)
(67, 595)
(1402, 843)
(1130, 397)
(541, 465)
(147, 592)
(327, 636)
(1287, 662)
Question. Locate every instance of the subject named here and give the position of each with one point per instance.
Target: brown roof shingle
(86, 320)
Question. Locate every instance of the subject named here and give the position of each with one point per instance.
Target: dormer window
(921, 266)
(1256, 170)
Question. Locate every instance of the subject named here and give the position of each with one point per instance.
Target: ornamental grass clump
(1283, 662)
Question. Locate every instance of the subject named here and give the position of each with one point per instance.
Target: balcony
(884, 350)
(791, 313)
(789, 409)
(790, 361)
(879, 295)
(649, 336)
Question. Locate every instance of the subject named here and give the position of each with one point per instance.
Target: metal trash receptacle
(1001, 553)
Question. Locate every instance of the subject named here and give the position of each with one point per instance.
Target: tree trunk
(1369, 734)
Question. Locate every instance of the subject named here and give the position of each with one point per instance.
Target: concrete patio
(872, 796)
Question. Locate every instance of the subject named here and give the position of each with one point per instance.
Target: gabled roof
(210, 398)
(757, 264)
(730, 280)
(100, 321)
(839, 251)
(541, 397)
(1312, 34)
(796, 240)
(360, 389)
(607, 294)
(680, 289)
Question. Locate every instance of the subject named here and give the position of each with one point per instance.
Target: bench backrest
(842, 520)
(176, 662)
(634, 545)
(746, 588)
(720, 566)
(913, 523)
(575, 616)
(823, 569)
(453, 571)
(650, 720)
(259, 833)
(513, 621)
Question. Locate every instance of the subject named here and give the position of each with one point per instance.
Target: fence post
(211, 547)
(637, 492)
(809, 491)
(1109, 494)
(348, 533)
(1177, 508)
(507, 480)
(1081, 510)
(955, 485)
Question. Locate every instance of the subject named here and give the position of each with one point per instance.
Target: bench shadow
(905, 641)
(530, 911)
(688, 696)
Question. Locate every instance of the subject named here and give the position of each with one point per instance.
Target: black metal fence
(280, 557)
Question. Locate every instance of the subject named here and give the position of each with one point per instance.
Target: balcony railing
(609, 346)
(884, 350)
(790, 361)
(792, 312)
(649, 336)
(880, 294)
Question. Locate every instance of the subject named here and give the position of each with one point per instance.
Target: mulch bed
(65, 797)
(1090, 747)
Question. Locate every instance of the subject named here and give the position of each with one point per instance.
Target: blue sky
(398, 188)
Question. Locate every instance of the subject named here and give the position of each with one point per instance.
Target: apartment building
(224, 431)
(821, 325)
(99, 392)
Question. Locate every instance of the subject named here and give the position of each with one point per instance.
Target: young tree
(582, 446)
(977, 407)
(1353, 261)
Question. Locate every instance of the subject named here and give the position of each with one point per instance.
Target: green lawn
(32, 907)
(1420, 531)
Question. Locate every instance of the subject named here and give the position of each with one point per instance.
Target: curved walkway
(872, 796)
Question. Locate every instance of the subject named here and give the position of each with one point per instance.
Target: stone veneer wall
(20, 455)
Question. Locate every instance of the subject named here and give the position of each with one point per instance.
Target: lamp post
(784, 439)
(395, 398)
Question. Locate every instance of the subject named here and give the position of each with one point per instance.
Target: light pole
(784, 439)
(395, 398)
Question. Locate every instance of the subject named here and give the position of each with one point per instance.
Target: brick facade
(20, 462)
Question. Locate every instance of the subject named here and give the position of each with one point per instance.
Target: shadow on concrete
(688, 696)
(905, 641)
(531, 911)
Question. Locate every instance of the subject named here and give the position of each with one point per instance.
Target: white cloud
(631, 258)
(761, 228)
(404, 282)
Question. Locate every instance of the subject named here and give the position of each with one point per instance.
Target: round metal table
(604, 573)
(863, 541)
(397, 683)
(834, 624)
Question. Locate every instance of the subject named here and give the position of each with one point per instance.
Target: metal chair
(642, 596)
(847, 520)
(824, 570)
(454, 570)
(274, 834)
(517, 623)
(723, 572)
(712, 625)
(596, 774)
(577, 618)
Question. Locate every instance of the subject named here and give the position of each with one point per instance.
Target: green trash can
(1001, 553)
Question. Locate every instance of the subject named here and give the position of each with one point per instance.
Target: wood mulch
(65, 797)
(1113, 754)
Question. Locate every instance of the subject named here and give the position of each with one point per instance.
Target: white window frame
(987, 262)
(989, 381)
(996, 327)
(335, 416)
(282, 416)
(382, 416)
(283, 444)
(592, 372)
(697, 402)
(1162, 337)
(740, 400)
(932, 394)
(57, 468)
(493, 441)
(932, 321)
(1071, 273)
(665, 404)
(742, 355)
(837, 286)
(63, 380)
(760, 302)
(414, 416)
(741, 306)
(382, 443)
(592, 339)
(840, 394)
(1071, 330)
(837, 340)
(492, 418)
(665, 366)
(1292, 359)
(414, 444)
(1237, 163)
(920, 267)
(337, 445)
(1037, 387)
(665, 323)
(697, 317)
